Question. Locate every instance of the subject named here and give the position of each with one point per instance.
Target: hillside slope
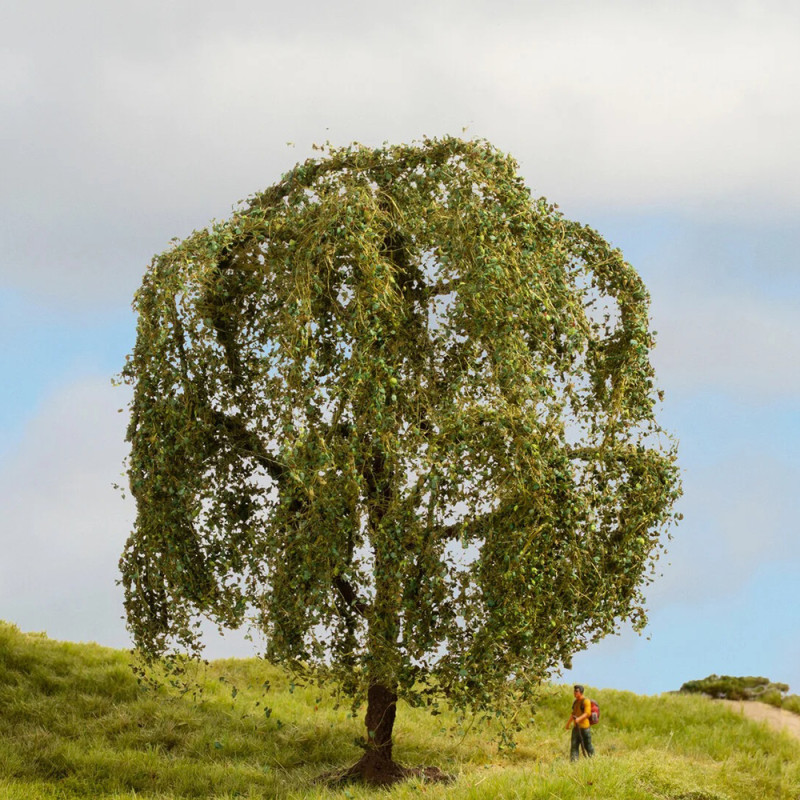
(74, 723)
(777, 718)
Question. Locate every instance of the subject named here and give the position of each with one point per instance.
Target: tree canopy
(401, 413)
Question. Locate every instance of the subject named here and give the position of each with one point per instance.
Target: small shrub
(729, 687)
(772, 697)
(792, 703)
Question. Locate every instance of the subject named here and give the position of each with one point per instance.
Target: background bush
(792, 703)
(728, 687)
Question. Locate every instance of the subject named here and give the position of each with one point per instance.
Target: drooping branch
(348, 600)
(247, 443)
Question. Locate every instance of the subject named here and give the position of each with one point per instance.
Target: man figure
(579, 719)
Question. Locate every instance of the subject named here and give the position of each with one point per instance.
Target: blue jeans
(579, 734)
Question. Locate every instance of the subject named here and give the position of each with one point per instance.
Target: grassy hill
(74, 723)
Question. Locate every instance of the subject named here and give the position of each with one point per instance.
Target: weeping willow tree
(401, 414)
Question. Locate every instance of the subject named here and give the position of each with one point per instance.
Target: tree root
(373, 770)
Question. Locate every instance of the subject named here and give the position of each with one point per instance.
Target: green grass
(74, 723)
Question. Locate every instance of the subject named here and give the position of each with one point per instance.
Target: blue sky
(670, 127)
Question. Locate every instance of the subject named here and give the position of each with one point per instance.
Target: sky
(671, 127)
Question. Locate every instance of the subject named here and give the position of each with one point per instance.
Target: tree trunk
(381, 711)
(376, 767)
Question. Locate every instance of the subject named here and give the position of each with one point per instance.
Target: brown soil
(384, 773)
(777, 718)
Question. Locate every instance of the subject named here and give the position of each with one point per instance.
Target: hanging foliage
(402, 413)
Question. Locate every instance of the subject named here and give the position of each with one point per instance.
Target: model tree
(402, 415)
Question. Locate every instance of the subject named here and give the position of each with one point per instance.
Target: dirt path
(778, 718)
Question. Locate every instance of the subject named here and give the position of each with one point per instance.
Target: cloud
(740, 513)
(63, 524)
(145, 123)
(747, 346)
(724, 301)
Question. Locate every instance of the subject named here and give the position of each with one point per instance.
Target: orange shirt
(580, 707)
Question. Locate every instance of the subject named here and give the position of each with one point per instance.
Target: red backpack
(594, 713)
